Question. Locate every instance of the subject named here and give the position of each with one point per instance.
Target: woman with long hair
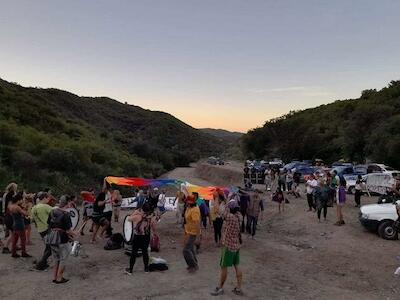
(10, 192)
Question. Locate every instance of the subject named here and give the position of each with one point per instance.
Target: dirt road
(293, 257)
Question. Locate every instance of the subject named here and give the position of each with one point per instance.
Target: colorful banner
(205, 192)
(141, 182)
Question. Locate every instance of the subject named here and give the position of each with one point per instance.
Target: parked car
(381, 218)
(360, 170)
(305, 172)
(378, 168)
(215, 161)
(293, 165)
(343, 170)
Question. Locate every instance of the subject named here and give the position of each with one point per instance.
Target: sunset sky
(211, 63)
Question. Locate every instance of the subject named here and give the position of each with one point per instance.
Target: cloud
(309, 91)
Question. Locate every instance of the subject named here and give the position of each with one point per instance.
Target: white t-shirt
(108, 205)
(311, 185)
(161, 200)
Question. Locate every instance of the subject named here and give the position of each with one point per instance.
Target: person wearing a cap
(230, 255)
(192, 230)
(60, 232)
(40, 214)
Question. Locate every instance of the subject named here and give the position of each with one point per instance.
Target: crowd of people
(229, 213)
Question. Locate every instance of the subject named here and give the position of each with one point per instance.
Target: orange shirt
(192, 217)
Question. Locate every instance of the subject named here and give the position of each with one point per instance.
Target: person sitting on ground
(40, 215)
(18, 214)
(231, 240)
(58, 238)
(143, 226)
(192, 230)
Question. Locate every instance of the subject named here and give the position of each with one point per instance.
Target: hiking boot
(217, 291)
(342, 222)
(6, 251)
(146, 270)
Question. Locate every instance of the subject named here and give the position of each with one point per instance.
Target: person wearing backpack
(143, 225)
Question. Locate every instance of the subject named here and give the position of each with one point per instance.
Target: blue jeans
(251, 225)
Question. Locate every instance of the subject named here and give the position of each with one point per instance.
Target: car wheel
(387, 231)
(352, 190)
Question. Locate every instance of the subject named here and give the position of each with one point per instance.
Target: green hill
(356, 130)
(50, 137)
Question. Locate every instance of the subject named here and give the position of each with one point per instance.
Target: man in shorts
(231, 240)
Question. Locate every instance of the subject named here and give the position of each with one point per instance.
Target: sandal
(237, 292)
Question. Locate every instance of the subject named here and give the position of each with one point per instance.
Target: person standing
(143, 226)
(254, 209)
(230, 256)
(60, 231)
(280, 199)
(311, 184)
(321, 196)
(192, 230)
(18, 228)
(180, 198)
(358, 191)
(341, 201)
(40, 215)
(274, 182)
(282, 180)
(116, 203)
(27, 205)
(244, 203)
(108, 208)
(289, 181)
(98, 217)
(10, 192)
(296, 182)
(88, 200)
(218, 212)
(162, 198)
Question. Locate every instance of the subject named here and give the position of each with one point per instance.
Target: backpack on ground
(114, 242)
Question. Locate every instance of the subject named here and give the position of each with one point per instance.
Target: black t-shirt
(98, 209)
(60, 219)
(8, 199)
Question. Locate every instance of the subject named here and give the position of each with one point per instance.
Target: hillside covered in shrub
(354, 130)
(50, 137)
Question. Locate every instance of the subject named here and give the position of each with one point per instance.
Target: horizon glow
(220, 64)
